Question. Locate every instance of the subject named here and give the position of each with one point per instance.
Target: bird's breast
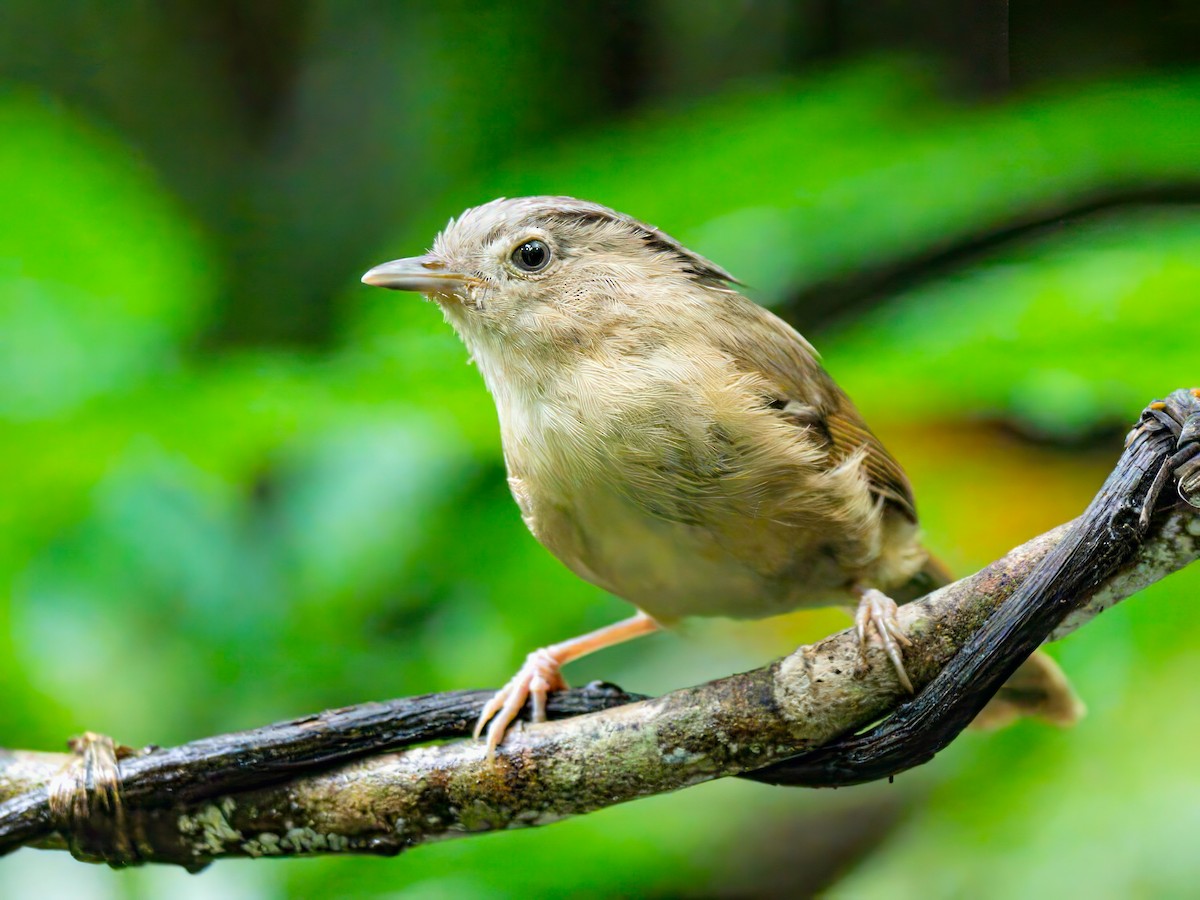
(665, 493)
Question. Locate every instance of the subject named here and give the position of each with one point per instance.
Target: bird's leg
(541, 674)
(877, 613)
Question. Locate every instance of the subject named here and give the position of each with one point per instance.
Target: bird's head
(552, 276)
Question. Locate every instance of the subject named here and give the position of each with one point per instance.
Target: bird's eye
(531, 256)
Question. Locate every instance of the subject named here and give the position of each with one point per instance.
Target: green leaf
(100, 277)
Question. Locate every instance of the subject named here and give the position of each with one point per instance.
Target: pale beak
(426, 274)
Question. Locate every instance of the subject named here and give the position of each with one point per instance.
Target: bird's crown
(570, 221)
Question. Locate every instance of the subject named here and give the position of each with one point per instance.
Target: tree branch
(254, 793)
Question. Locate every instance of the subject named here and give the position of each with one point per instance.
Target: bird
(671, 441)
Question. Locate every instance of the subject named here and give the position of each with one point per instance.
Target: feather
(762, 344)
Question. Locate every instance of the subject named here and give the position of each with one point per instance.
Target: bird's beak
(426, 274)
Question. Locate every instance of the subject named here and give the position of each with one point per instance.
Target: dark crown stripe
(656, 240)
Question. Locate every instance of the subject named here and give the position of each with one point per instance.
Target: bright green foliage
(1065, 335)
(198, 536)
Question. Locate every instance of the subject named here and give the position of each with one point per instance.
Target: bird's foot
(534, 680)
(877, 613)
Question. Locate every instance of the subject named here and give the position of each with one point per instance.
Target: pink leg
(877, 613)
(541, 674)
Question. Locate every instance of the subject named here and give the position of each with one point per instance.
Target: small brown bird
(668, 439)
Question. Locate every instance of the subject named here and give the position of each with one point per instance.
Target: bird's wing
(764, 344)
(848, 432)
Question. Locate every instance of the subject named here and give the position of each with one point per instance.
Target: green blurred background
(239, 486)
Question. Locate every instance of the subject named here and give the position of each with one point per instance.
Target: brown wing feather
(763, 343)
(848, 433)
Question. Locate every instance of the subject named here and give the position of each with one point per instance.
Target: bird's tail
(1038, 688)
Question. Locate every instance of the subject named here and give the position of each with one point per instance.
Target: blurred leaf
(834, 173)
(99, 278)
(1081, 329)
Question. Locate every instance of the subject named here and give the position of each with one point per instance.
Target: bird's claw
(534, 680)
(877, 613)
